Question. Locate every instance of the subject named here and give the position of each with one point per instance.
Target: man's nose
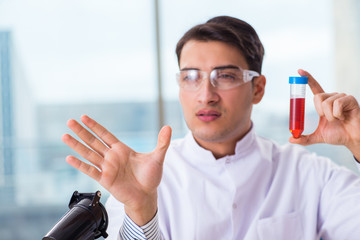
(207, 93)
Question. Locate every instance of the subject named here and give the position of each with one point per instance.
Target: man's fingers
(99, 130)
(306, 139)
(334, 105)
(313, 84)
(84, 151)
(163, 143)
(344, 104)
(301, 140)
(87, 137)
(89, 170)
(325, 103)
(332, 109)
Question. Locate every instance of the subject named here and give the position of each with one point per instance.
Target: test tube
(297, 105)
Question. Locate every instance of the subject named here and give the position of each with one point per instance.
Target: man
(222, 181)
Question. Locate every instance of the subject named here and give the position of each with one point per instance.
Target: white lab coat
(264, 191)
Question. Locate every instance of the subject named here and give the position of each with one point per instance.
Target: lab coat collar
(243, 147)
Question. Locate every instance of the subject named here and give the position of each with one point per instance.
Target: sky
(103, 51)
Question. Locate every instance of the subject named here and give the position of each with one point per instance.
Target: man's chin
(208, 136)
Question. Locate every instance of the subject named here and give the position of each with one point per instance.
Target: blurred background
(115, 61)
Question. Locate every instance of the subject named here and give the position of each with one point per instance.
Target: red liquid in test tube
(297, 112)
(297, 105)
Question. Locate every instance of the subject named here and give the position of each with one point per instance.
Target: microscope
(86, 219)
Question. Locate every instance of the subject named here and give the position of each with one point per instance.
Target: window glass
(59, 60)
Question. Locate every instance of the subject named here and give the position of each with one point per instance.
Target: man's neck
(221, 148)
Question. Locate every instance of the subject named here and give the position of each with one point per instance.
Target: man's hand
(131, 177)
(339, 122)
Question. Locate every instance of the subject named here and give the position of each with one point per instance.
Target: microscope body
(86, 219)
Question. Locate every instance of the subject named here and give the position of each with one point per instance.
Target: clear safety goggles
(221, 78)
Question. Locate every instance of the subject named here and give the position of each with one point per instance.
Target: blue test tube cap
(298, 80)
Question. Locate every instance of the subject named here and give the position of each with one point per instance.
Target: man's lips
(208, 115)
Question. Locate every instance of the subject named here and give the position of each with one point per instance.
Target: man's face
(214, 115)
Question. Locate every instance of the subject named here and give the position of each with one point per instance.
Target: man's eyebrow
(217, 67)
(226, 66)
(190, 68)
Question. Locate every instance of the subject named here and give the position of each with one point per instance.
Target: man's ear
(258, 88)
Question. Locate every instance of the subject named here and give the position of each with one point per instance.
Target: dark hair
(229, 30)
